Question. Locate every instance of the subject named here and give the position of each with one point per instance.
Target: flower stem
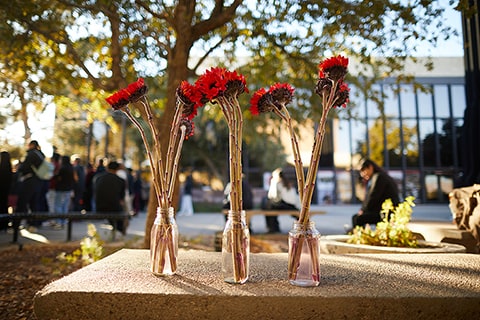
(158, 148)
(149, 152)
(312, 170)
(285, 115)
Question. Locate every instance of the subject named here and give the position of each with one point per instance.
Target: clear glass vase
(236, 249)
(164, 243)
(304, 255)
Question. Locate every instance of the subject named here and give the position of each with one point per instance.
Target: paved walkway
(208, 223)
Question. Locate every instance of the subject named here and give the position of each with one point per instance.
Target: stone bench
(357, 286)
(444, 232)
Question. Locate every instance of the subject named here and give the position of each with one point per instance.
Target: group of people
(114, 189)
(70, 187)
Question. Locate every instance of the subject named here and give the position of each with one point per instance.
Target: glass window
(428, 142)
(458, 100)
(425, 108)
(359, 131)
(440, 93)
(390, 101)
(410, 142)
(407, 100)
(357, 105)
(344, 186)
(372, 109)
(343, 144)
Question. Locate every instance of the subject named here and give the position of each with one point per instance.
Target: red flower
(119, 99)
(282, 93)
(190, 98)
(132, 93)
(254, 101)
(219, 81)
(137, 90)
(342, 95)
(334, 68)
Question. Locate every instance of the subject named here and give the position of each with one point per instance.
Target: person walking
(79, 185)
(64, 182)
(30, 184)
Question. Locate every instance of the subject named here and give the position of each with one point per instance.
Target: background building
(413, 133)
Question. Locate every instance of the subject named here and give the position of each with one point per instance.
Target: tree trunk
(177, 71)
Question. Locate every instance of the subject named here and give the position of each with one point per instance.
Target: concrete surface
(358, 286)
(208, 223)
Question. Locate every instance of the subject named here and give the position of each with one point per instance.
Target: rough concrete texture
(356, 286)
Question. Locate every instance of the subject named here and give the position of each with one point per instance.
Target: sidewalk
(208, 223)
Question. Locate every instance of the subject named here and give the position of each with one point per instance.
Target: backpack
(45, 170)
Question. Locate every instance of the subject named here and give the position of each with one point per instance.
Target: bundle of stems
(222, 87)
(333, 92)
(163, 172)
(233, 115)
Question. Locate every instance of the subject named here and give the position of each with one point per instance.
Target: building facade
(412, 131)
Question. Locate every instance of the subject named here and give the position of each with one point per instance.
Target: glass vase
(164, 243)
(236, 249)
(304, 255)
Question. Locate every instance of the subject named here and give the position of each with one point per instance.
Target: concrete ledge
(362, 286)
(446, 232)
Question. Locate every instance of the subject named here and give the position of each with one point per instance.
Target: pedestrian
(88, 201)
(109, 190)
(379, 187)
(79, 185)
(64, 182)
(6, 178)
(186, 204)
(55, 160)
(30, 184)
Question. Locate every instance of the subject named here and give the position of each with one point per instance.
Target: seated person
(380, 187)
(282, 195)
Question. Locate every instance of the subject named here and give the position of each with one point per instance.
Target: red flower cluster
(331, 74)
(277, 96)
(334, 68)
(132, 93)
(216, 82)
(188, 95)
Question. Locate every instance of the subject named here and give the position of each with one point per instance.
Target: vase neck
(165, 211)
(304, 226)
(236, 216)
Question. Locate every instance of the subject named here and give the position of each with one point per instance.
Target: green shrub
(90, 250)
(392, 231)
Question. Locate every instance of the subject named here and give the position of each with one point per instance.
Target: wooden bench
(16, 219)
(253, 212)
